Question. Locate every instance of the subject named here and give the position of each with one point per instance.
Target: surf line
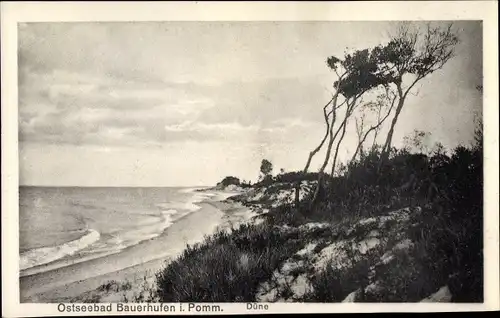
(44, 255)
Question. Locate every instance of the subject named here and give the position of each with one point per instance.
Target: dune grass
(226, 266)
(447, 235)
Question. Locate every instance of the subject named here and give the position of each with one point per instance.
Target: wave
(44, 255)
(130, 237)
(190, 190)
(188, 205)
(133, 237)
(111, 243)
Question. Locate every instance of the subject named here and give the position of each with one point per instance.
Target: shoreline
(70, 284)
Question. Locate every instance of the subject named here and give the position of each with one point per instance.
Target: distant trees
(245, 183)
(228, 181)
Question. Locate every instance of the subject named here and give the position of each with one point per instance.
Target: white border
(12, 13)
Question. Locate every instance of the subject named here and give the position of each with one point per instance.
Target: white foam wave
(179, 205)
(130, 237)
(44, 255)
(189, 204)
(167, 217)
(190, 190)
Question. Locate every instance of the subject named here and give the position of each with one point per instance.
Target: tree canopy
(266, 167)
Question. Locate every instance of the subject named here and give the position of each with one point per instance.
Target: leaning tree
(357, 73)
(410, 56)
(398, 66)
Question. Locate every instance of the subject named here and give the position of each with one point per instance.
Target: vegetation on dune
(442, 194)
(226, 267)
(230, 180)
(390, 72)
(447, 238)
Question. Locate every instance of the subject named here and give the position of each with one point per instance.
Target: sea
(67, 225)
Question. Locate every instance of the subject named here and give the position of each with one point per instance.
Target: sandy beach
(80, 282)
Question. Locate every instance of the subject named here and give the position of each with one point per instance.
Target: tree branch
(372, 128)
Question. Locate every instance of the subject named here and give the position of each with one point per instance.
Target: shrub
(404, 279)
(292, 177)
(229, 180)
(451, 228)
(334, 285)
(450, 190)
(226, 267)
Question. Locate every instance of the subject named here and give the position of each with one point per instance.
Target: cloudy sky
(187, 103)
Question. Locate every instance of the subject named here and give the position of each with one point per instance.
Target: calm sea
(62, 224)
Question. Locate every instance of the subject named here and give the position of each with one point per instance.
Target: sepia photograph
(254, 162)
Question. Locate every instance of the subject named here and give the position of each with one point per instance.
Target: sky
(188, 103)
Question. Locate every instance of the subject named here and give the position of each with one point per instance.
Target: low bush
(334, 285)
(226, 267)
(404, 279)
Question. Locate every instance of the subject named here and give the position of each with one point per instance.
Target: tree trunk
(328, 132)
(316, 191)
(325, 162)
(329, 151)
(375, 129)
(297, 194)
(388, 142)
(374, 142)
(317, 149)
(339, 142)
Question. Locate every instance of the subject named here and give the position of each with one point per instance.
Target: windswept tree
(410, 56)
(398, 66)
(356, 74)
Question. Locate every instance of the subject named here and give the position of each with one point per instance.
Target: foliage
(229, 180)
(417, 141)
(405, 279)
(266, 167)
(245, 184)
(362, 72)
(409, 52)
(296, 176)
(414, 54)
(226, 266)
(333, 285)
(265, 181)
